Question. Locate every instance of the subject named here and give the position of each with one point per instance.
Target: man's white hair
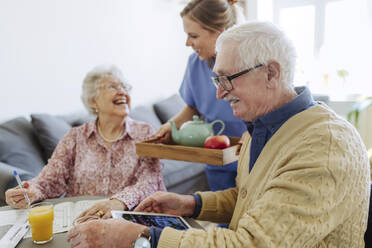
(258, 43)
(94, 78)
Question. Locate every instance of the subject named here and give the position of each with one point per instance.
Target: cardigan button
(244, 193)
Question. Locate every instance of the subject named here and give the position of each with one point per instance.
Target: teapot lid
(196, 120)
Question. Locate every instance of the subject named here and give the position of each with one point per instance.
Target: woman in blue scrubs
(203, 22)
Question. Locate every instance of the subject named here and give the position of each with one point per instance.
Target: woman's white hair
(258, 43)
(94, 78)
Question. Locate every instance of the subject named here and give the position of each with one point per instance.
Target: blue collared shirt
(261, 130)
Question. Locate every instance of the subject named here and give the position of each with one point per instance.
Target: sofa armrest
(7, 179)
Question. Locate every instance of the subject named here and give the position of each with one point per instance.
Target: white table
(59, 239)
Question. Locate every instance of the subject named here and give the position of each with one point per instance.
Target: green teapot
(194, 133)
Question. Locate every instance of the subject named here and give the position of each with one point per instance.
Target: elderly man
(303, 176)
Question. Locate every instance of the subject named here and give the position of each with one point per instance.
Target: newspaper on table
(64, 215)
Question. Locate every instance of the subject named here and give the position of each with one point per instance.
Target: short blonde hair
(94, 78)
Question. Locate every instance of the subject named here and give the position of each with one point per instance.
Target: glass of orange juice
(40, 217)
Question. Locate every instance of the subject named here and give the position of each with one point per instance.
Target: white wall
(47, 46)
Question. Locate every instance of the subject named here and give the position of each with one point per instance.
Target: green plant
(343, 74)
(353, 115)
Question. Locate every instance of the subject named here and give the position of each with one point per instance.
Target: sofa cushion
(145, 114)
(19, 146)
(50, 130)
(8, 180)
(184, 177)
(169, 107)
(177, 172)
(77, 119)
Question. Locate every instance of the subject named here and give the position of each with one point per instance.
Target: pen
(21, 186)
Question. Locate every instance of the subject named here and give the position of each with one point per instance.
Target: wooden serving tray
(187, 153)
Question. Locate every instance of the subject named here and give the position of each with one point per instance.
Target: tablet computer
(152, 219)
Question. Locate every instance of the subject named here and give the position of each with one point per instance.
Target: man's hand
(103, 209)
(168, 203)
(15, 197)
(105, 233)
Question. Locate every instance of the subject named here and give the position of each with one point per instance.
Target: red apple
(217, 142)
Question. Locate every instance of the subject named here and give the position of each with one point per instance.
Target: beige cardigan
(309, 188)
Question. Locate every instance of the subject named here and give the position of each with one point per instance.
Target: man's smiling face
(249, 96)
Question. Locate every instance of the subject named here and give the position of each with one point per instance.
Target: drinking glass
(40, 217)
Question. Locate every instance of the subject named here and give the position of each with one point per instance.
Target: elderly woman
(99, 157)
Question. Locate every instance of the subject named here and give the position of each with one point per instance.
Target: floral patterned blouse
(83, 165)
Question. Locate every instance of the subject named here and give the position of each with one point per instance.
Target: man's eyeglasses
(225, 81)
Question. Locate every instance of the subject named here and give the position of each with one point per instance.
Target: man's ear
(273, 74)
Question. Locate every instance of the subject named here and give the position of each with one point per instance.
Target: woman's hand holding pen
(103, 209)
(15, 197)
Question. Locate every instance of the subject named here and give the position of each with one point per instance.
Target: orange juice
(41, 217)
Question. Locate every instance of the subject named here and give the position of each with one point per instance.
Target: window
(333, 40)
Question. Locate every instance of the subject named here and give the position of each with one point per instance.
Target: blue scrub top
(198, 90)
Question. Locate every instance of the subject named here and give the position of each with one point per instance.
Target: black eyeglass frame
(217, 81)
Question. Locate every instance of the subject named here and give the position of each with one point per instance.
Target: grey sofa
(26, 145)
